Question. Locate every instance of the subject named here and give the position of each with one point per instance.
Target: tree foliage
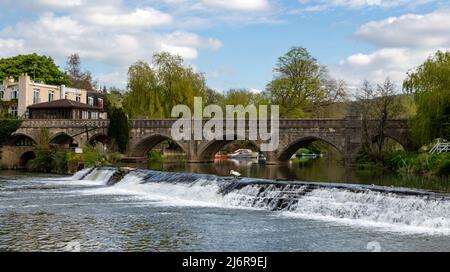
(155, 89)
(430, 85)
(38, 67)
(7, 127)
(301, 85)
(78, 78)
(243, 97)
(45, 151)
(118, 130)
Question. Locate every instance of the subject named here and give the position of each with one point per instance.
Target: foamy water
(386, 211)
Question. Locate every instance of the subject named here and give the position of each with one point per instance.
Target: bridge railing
(167, 123)
(284, 123)
(62, 123)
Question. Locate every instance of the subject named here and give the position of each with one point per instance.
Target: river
(269, 210)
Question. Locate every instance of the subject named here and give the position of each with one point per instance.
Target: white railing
(440, 148)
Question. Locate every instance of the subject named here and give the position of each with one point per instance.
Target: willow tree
(155, 89)
(430, 85)
(144, 97)
(179, 84)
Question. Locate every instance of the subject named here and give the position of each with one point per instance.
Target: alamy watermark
(191, 126)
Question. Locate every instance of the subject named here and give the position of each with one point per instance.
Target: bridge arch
(141, 148)
(286, 153)
(20, 139)
(403, 143)
(26, 157)
(62, 139)
(99, 138)
(207, 152)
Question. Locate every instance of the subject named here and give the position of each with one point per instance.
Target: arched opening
(159, 145)
(25, 158)
(99, 139)
(309, 147)
(230, 149)
(21, 140)
(64, 141)
(386, 144)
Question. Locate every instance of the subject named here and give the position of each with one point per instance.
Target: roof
(63, 103)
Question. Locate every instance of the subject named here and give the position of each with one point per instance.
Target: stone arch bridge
(342, 134)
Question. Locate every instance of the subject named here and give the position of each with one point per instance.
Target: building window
(14, 93)
(91, 101)
(85, 115)
(51, 95)
(2, 92)
(100, 102)
(13, 111)
(36, 96)
(66, 96)
(78, 98)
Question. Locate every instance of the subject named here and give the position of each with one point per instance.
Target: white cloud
(59, 3)
(141, 17)
(112, 36)
(402, 43)
(316, 6)
(411, 30)
(238, 5)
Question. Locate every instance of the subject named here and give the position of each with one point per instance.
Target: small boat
(306, 155)
(221, 157)
(243, 154)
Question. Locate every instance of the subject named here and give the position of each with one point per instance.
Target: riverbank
(409, 163)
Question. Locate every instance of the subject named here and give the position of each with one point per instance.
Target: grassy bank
(411, 163)
(419, 163)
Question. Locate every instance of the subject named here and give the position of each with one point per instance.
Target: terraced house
(49, 101)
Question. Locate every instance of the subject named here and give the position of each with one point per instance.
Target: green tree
(301, 84)
(118, 130)
(45, 151)
(155, 89)
(7, 127)
(38, 67)
(242, 97)
(145, 97)
(115, 97)
(213, 97)
(430, 85)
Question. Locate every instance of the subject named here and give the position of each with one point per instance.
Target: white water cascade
(394, 209)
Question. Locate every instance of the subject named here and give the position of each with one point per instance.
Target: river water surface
(167, 211)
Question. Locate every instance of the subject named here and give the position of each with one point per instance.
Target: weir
(324, 201)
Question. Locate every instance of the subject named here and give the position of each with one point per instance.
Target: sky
(235, 43)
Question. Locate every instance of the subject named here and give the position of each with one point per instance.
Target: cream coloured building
(25, 92)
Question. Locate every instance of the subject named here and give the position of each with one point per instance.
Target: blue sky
(236, 43)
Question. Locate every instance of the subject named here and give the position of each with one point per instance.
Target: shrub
(444, 168)
(60, 165)
(155, 156)
(91, 156)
